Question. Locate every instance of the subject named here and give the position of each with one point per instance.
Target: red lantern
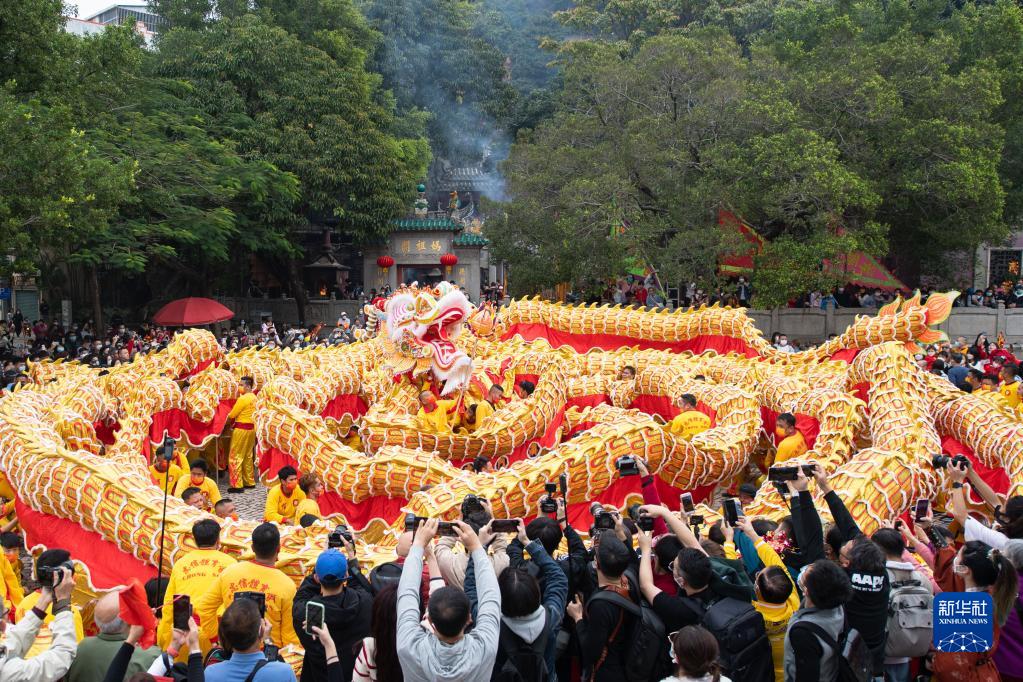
(385, 262)
(449, 260)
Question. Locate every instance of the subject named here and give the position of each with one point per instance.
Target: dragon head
(420, 325)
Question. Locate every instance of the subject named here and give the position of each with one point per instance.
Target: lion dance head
(419, 326)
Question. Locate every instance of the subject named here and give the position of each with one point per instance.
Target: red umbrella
(188, 312)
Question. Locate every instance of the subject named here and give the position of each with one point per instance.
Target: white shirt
(975, 530)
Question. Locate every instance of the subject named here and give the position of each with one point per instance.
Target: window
(1004, 266)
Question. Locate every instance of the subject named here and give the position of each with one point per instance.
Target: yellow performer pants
(240, 465)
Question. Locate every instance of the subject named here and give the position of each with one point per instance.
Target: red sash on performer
(244, 427)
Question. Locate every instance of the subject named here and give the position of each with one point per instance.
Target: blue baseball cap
(331, 567)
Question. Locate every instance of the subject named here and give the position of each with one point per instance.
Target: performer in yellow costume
(282, 500)
(240, 465)
(1010, 384)
(792, 444)
(690, 421)
(434, 415)
(312, 485)
(484, 408)
(161, 470)
(197, 478)
(192, 575)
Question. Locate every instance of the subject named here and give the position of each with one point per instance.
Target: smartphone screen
(732, 511)
(687, 503)
(446, 528)
(313, 617)
(182, 611)
(922, 507)
(504, 525)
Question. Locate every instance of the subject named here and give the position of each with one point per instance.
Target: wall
(813, 326)
(284, 310)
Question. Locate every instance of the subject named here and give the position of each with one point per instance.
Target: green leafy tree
(292, 104)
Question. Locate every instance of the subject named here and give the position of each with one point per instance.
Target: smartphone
(686, 500)
(271, 652)
(446, 528)
(923, 505)
(696, 520)
(504, 525)
(313, 617)
(733, 511)
(182, 611)
(257, 597)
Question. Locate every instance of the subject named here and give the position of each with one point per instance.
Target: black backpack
(742, 638)
(647, 652)
(523, 661)
(855, 663)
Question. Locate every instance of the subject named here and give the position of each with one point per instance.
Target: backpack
(742, 638)
(523, 661)
(910, 619)
(855, 663)
(647, 652)
(384, 575)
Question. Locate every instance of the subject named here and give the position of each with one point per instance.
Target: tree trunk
(298, 288)
(97, 304)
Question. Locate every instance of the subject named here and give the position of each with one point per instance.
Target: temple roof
(425, 224)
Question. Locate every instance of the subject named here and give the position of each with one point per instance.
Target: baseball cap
(748, 489)
(331, 568)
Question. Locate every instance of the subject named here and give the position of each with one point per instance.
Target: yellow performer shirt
(438, 421)
(174, 471)
(791, 447)
(483, 410)
(207, 486)
(280, 507)
(192, 575)
(248, 576)
(689, 423)
(354, 442)
(243, 408)
(1009, 392)
(308, 506)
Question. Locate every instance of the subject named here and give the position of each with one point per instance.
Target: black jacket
(346, 615)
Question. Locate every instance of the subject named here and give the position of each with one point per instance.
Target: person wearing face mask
(783, 345)
(283, 500)
(312, 485)
(192, 575)
(161, 469)
(197, 478)
(225, 509)
(691, 569)
(791, 443)
(981, 569)
(435, 416)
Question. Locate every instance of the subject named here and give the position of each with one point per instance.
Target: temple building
(442, 239)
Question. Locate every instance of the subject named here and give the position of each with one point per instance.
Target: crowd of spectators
(651, 594)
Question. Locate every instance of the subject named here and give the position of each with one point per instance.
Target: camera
(789, 473)
(634, 512)
(412, 522)
(627, 466)
(337, 539)
(49, 576)
(472, 504)
(168, 449)
(942, 461)
(695, 520)
(602, 519)
(548, 504)
(645, 522)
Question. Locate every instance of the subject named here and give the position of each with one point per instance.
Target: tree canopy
(832, 126)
